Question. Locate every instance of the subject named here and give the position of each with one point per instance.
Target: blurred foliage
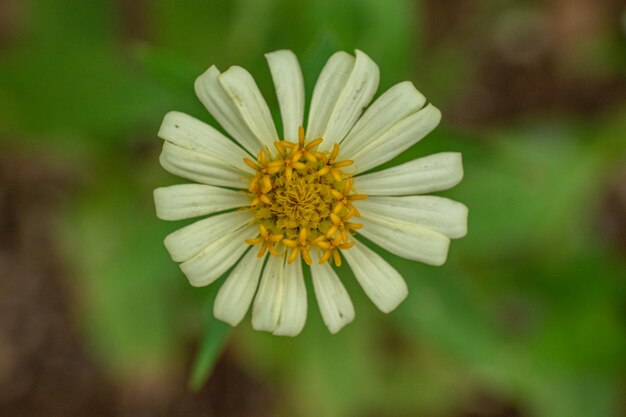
(529, 307)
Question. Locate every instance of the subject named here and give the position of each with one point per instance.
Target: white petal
(408, 240)
(218, 256)
(293, 309)
(190, 133)
(185, 243)
(235, 295)
(289, 85)
(269, 298)
(333, 299)
(354, 98)
(221, 106)
(436, 213)
(185, 201)
(395, 104)
(380, 281)
(398, 138)
(246, 96)
(200, 167)
(431, 173)
(331, 81)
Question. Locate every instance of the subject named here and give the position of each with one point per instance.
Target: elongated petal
(408, 240)
(185, 243)
(218, 256)
(354, 98)
(329, 85)
(235, 295)
(185, 201)
(246, 96)
(199, 167)
(190, 133)
(269, 298)
(380, 281)
(436, 213)
(333, 299)
(221, 106)
(395, 104)
(431, 173)
(294, 305)
(398, 138)
(289, 85)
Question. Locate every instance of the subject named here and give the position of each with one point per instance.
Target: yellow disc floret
(301, 199)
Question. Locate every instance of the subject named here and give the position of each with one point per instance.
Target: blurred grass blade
(215, 337)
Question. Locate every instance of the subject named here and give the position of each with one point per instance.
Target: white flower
(300, 196)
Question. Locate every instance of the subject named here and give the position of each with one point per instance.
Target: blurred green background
(527, 317)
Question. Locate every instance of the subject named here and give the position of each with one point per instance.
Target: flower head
(303, 197)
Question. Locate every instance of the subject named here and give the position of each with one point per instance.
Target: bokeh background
(526, 319)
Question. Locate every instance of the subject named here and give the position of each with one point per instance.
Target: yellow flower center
(301, 199)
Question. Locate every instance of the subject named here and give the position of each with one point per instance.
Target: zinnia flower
(304, 196)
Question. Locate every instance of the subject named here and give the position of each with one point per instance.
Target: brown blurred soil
(45, 370)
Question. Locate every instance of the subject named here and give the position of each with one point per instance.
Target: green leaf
(213, 342)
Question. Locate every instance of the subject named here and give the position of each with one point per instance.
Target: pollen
(301, 198)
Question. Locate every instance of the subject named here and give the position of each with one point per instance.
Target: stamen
(251, 164)
(302, 200)
(280, 148)
(332, 248)
(301, 136)
(267, 241)
(342, 164)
